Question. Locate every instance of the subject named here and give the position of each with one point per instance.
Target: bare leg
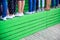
(22, 6)
(19, 6)
(48, 2)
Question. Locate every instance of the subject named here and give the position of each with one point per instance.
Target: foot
(19, 14)
(39, 10)
(33, 12)
(47, 8)
(9, 16)
(29, 12)
(42, 9)
(13, 15)
(4, 18)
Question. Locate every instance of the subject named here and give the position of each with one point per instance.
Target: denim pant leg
(37, 4)
(4, 5)
(30, 5)
(52, 3)
(34, 5)
(57, 2)
(0, 9)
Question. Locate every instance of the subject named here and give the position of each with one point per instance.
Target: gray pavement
(51, 33)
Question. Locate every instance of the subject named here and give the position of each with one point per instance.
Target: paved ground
(52, 33)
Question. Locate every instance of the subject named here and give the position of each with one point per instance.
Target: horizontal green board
(19, 27)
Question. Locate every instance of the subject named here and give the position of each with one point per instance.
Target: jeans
(57, 2)
(32, 5)
(54, 3)
(3, 8)
(37, 4)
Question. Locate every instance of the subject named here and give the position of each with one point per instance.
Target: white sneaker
(33, 12)
(4, 18)
(13, 15)
(19, 14)
(39, 10)
(9, 17)
(29, 12)
(42, 9)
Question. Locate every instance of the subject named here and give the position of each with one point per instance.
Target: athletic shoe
(4, 18)
(13, 15)
(39, 10)
(33, 12)
(42, 9)
(29, 12)
(59, 5)
(9, 16)
(19, 14)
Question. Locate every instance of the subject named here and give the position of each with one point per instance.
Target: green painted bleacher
(19, 27)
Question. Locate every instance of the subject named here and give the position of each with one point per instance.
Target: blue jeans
(57, 2)
(52, 3)
(3, 8)
(32, 5)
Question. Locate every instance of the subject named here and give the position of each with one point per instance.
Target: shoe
(42, 9)
(13, 15)
(59, 5)
(29, 12)
(47, 9)
(39, 10)
(4, 18)
(19, 14)
(33, 12)
(9, 17)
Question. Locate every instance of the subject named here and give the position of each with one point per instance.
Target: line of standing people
(8, 9)
(41, 5)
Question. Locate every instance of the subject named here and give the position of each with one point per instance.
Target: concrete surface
(51, 33)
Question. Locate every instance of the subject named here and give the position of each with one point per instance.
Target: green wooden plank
(19, 27)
